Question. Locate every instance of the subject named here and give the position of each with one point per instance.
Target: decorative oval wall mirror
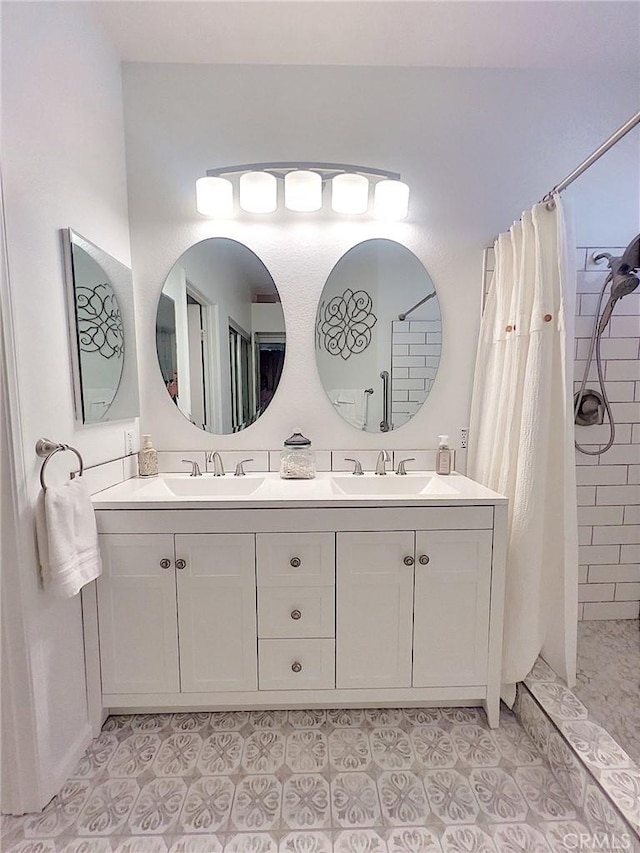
(102, 332)
(220, 335)
(378, 336)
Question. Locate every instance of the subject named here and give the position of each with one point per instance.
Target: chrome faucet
(195, 468)
(240, 472)
(218, 467)
(383, 458)
(357, 466)
(401, 469)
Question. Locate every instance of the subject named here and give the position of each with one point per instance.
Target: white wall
(476, 146)
(63, 166)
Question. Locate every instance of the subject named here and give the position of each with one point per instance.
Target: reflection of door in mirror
(220, 335)
(166, 343)
(182, 343)
(242, 392)
(269, 360)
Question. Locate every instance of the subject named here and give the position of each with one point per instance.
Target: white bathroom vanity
(342, 591)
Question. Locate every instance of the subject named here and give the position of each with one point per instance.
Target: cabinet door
(217, 612)
(451, 616)
(374, 609)
(137, 614)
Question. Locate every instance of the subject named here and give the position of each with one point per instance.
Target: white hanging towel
(352, 405)
(67, 538)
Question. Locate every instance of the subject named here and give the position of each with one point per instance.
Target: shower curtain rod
(591, 159)
(571, 177)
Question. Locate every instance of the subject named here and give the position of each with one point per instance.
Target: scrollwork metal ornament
(345, 323)
(99, 321)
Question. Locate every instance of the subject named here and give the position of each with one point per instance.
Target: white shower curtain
(521, 436)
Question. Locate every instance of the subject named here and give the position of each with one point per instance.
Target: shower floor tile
(374, 781)
(608, 679)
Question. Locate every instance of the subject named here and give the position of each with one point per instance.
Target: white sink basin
(206, 486)
(391, 484)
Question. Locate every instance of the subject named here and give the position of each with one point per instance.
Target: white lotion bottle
(443, 458)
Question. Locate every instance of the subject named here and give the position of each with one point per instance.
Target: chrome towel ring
(45, 448)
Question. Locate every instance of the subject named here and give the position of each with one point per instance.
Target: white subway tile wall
(415, 355)
(608, 490)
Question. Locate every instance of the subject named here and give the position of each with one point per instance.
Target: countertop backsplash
(115, 471)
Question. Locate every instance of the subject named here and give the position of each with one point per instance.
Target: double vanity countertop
(258, 490)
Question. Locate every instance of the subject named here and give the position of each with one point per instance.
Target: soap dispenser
(444, 456)
(147, 458)
(297, 459)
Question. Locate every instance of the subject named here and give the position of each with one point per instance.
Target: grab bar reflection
(385, 423)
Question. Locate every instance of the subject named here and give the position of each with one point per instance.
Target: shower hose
(595, 344)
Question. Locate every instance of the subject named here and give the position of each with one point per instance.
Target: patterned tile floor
(372, 781)
(609, 678)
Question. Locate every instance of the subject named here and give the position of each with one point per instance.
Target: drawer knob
(296, 614)
(408, 561)
(296, 667)
(296, 562)
(181, 564)
(164, 563)
(423, 559)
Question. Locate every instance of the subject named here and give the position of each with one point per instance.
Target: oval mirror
(378, 336)
(220, 335)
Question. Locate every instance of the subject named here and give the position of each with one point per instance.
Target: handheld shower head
(631, 255)
(622, 284)
(623, 279)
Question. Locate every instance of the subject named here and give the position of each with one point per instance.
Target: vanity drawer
(297, 611)
(296, 664)
(295, 559)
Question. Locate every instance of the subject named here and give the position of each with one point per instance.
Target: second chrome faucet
(214, 458)
(381, 464)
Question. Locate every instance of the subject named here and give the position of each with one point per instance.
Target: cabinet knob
(164, 563)
(423, 559)
(296, 667)
(408, 561)
(296, 614)
(181, 564)
(296, 562)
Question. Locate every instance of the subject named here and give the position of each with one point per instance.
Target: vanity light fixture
(303, 187)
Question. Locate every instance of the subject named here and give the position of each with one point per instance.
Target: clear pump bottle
(444, 456)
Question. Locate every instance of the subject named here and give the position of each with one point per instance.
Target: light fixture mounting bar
(327, 170)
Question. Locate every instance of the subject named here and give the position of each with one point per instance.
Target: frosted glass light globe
(214, 197)
(303, 191)
(350, 194)
(258, 192)
(391, 200)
